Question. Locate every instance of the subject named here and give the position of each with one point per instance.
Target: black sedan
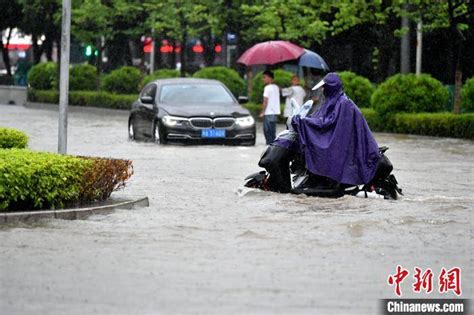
(188, 109)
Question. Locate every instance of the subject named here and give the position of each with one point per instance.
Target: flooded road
(207, 245)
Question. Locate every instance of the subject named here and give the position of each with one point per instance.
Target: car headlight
(246, 121)
(171, 121)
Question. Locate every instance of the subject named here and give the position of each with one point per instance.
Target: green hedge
(357, 88)
(83, 78)
(410, 93)
(160, 74)
(85, 98)
(428, 124)
(124, 80)
(228, 76)
(282, 79)
(12, 138)
(467, 94)
(373, 119)
(435, 124)
(38, 180)
(43, 76)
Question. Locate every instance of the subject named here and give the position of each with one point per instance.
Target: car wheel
(132, 134)
(158, 136)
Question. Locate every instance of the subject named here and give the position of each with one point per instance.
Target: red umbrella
(271, 52)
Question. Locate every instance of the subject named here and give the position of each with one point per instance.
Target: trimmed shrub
(282, 79)
(160, 74)
(12, 138)
(85, 98)
(375, 122)
(357, 88)
(38, 180)
(124, 80)
(428, 124)
(227, 76)
(467, 94)
(104, 177)
(83, 78)
(409, 93)
(44, 96)
(435, 124)
(43, 76)
(102, 99)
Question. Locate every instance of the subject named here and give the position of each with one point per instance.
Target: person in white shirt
(295, 91)
(271, 106)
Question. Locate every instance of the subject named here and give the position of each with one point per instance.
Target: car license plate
(213, 133)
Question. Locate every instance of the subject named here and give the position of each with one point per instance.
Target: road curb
(70, 214)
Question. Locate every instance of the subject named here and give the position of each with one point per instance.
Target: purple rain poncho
(336, 140)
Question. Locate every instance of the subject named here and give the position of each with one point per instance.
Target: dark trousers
(276, 161)
(269, 127)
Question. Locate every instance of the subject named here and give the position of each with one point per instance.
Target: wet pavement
(207, 245)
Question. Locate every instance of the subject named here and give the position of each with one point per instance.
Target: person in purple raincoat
(335, 140)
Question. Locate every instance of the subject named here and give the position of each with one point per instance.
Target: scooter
(280, 165)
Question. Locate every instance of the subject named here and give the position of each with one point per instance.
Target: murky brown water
(207, 245)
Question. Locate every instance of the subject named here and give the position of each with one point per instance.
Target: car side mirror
(146, 99)
(243, 99)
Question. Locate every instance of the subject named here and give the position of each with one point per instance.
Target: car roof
(185, 80)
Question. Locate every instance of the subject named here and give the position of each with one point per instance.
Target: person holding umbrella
(270, 107)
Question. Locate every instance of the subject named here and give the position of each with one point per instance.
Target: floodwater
(206, 245)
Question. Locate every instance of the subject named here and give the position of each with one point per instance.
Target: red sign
(18, 46)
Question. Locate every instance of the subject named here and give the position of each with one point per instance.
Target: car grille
(224, 122)
(204, 122)
(201, 122)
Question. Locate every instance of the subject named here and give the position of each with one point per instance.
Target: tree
(110, 25)
(42, 18)
(92, 22)
(10, 17)
(293, 20)
(180, 20)
(380, 17)
(452, 15)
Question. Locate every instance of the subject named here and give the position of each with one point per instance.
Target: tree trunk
(405, 47)
(37, 49)
(5, 55)
(458, 76)
(182, 55)
(158, 56)
(209, 52)
(119, 52)
(48, 47)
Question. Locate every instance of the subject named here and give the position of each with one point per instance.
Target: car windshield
(193, 93)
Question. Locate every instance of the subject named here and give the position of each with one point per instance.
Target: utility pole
(64, 77)
(419, 46)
